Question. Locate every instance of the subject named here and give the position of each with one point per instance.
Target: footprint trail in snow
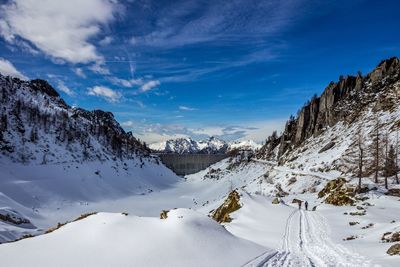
(306, 243)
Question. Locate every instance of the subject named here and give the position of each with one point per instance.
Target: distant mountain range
(213, 145)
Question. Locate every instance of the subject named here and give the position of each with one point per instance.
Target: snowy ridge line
(212, 145)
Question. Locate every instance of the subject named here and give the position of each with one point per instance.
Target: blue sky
(234, 69)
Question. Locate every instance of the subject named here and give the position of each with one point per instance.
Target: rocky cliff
(340, 101)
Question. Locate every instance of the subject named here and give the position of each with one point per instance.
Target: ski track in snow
(306, 242)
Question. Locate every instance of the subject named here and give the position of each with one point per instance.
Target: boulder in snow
(231, 204)
(394, 250)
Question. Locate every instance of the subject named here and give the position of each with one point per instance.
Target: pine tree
(390, 163)
(3, 126)
(397, 157)
(376, 149)
(3, 123)
(360, 158)
(34, 135)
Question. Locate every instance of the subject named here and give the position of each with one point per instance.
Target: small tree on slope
(390, 163)
(375, 148)
(397, 157)
(360, 145)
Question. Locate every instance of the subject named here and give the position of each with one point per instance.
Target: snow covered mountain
(256, 198)
(244, 145)
(37, 126)
(52, 154)
(330, 129)
(213, 145)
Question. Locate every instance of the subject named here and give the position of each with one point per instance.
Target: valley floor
(260, 234)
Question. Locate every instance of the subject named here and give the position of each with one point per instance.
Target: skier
(299, 204)
(306, 205)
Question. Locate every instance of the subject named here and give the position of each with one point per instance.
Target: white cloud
(140, 104)
(133, 40)
(144, 85)
(80, 72)
(186, 108)
(99, 68)
(106, 41)
(108, 94)
(127, 83)
(8, 69)
(60, 29)
(260, 130)
(149, 85)
(210, 131)
(128, 124)
(63, 88)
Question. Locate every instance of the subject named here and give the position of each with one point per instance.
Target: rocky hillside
(38, 126)
(54, 155)
(351, 102)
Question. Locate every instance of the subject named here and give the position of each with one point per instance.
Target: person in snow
(306, 205)
(299, 204)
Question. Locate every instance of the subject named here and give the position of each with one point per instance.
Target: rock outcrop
(394, 250)
(391, 237)
(337, 193)
(231, 204)
(394, 192)
(164, 214)
(276, 201)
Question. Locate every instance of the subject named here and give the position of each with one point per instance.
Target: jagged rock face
(340, 101)
(36, 125)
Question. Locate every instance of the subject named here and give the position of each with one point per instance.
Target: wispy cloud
(106, 41)
(128, 124)
(147, 86)
(186, 108)
(99, 68)
(8, 69)
(142, 84)
(65, 89)
(126, 82)
(80, 72)
(108, 94)
(217, 22)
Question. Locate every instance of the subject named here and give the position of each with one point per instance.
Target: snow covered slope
(185, 238)
(53, 153)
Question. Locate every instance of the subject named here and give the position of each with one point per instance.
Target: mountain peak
(43, 86)
(342, 101)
